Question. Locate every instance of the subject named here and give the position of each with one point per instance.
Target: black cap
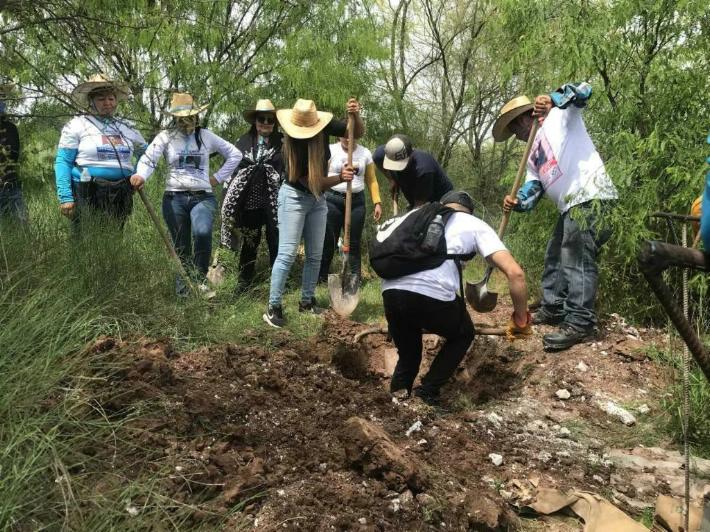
(458, 196)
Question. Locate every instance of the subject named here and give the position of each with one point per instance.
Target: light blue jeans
(301, 215)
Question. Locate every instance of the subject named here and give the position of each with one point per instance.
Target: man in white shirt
(565, 166)
(428, 301)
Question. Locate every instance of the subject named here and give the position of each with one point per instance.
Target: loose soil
(304, 436)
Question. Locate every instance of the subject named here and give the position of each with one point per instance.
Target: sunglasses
(266, 119)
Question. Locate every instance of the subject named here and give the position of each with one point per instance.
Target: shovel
(344, 287)
(477, 294)
(166, 239)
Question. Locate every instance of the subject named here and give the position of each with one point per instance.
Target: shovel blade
(344, 293)
(479, 297)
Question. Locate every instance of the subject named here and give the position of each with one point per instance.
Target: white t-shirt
(339, 157)
(464, 234)
(97, 143)
(189, 166)
(565, 161)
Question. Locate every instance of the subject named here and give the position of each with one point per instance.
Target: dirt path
(304, 435)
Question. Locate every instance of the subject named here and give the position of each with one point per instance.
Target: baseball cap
(397, 152)
(460, 197)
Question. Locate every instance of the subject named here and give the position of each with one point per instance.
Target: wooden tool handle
(519, 176)
(349, 190)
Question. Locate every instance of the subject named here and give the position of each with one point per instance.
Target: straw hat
(304, 121)
(183, 105)
(99, 81)
(262, 106)
(508, 113)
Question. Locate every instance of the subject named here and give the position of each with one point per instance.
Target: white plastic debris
(582, 366)
(496, 459)
(132, 510)
(422, 442)
(643, 409)
(611, 408)
(563, 394)
(416, 427)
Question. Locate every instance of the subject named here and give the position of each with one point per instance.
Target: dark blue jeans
(12, 205)
(189, 217)
(336, 223)
(570, 277)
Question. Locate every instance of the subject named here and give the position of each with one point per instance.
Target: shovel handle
(519, 175)
(166, 239)
(349, 189)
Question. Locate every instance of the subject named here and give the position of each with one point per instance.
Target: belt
(188, 192)
(343, 194)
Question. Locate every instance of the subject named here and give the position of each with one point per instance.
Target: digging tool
(166, 239)
(344, 287)
(477, 294)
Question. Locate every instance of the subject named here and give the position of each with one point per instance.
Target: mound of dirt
(304, 435)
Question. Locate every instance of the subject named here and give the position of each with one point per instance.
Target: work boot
(274, 316)
(542, 317)
(310, 306)
(427, 395)
(565, 337)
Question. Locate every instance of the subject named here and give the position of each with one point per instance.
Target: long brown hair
(316, 153)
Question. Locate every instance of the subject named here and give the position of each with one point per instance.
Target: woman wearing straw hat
(189, 204)
(302, 209)
(251, 199)
(94, 157)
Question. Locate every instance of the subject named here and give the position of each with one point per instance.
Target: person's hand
(353, 106)
(347, 173)
(213, 181)
(509, 202)
(137, 181)
(542, 106)
(519, 326)
(67, 209)
(378, 212)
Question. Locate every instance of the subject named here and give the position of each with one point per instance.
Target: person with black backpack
(419, 256)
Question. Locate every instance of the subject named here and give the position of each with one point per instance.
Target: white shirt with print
(565, 161)
(188, 165)
(339, 157)
(464, 234)
(101, 144)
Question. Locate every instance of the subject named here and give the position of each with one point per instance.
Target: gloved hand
(516, 331)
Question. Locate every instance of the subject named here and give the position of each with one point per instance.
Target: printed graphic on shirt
(112, 146)
(544, 161)
(191, 161)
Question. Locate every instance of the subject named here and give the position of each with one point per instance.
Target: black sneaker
(543, 318)
(310, 306)
(428, 396)
(274, 316)
(565, 337)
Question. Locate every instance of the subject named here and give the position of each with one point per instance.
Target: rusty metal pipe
(654, 258)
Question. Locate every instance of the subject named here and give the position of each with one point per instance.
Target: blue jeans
(301, 215)
(12, 205)
(189, 216)
(570, 277)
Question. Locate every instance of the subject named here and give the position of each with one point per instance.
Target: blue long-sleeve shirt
(705, 219)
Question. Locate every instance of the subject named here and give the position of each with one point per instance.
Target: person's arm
(232, 157)
(149, 160)
(63, 163)
(705, 218)
(374, 187)
(505, 262)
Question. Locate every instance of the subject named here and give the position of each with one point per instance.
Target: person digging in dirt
(427, 300)
(415, 172)
(302, 208)
(565, 166)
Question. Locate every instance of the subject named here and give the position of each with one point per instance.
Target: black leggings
(408, 315)
(250, 223)
(336, 222)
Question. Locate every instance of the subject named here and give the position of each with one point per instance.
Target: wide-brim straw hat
(262, 106)
(510, 111)
(100, 81)
(182, 105)
(304, 121)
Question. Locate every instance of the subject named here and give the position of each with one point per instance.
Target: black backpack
(396, 249)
